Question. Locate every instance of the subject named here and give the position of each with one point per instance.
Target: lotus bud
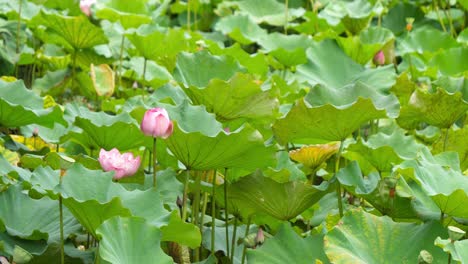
(409, 23)
(35, 132)
(123, 165)
(260, 237)
(455, 233)
(425, 257)
(156, 123)
(379, 58)
(85, 6)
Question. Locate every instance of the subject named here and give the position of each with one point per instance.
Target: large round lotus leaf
(106, 131)
(382, 158)
(77, 31)
(426, 40)
(457, 249)
(181, 232)
(377, 191)
(20, 106)
(283, 201)
(430, 171)
(268, 11)
(244, 148)
(328, 65)
(453, 85)
(240, 97)
(362, 48)
(332, 115)
(451, 61)
(456, 141)
(290, 50)
(129, 14)
(382, 241)
(7, 170)
(130, 240)
(93, 198)
(199, 68)
(18, 209)
(9, 245)
(439, 108)
(240, 28)
(395, 20)
(355, 15)
(288, 247)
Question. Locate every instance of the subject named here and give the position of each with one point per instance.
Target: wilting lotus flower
(123, 164)
(314, 155)
(85, 6)
(379, 58)
(156, 123)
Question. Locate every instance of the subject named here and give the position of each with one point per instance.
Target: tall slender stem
(446, 139)
(73, 69)
(184, 199)
(144, 69)
(188, 15)
(62, 238)
(436, 7)
(244, 251)
(338, 187)
(18, 30)
(213, 213)
(196, 210)
(233, 242)
(286, 16)
(122, 42)
(154, 162)
(226, 212)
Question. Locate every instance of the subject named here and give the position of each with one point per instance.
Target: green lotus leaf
(429, 171)
(463, 36)
(10, 244)
(118, 237)
(457, 249)
(395, 20)
(250, 101)
(290, 50)
(378, 191)
(243, 149)
(199, 68)
(130, 15)
(18, 209)
(354, 15)
(328, 65)
(241, 28)
(332, 115)
(426, 41)
(288, 247)
(77, 31)
(268, 11)
(93, 198)
(314, 24)
(450, 61)
(7, 170)
(439, 108)
(384, 240)
(99, 130)
(456, 141)
(453, 85)
(183, 233)
(362, 48)
(20, 106)
(423, 205)
(284, 201)
(254, 63)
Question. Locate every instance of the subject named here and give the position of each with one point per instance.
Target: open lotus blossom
(85, 6)
(123, 164)
(379, 58)
(156, 123)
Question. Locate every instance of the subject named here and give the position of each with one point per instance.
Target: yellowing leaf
(103, 79)
(314, 155)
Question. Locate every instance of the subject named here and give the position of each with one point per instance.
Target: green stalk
(244, 251)
(202, 220)
(154, 162)
(18, 27)
(62, 249)
(97, 259)
(213, 213)
(233, 242)
(338, 187)
(196, 211)
(436, 7)
(184, 199)
(73, 69)
(226, 212)
(449, 16)
(188, 15)
(286, 15)
(120, 59)
(446, 139)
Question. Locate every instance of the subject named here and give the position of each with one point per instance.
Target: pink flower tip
(379, 58)
(85, 6)
(156, 123)
(123, 165)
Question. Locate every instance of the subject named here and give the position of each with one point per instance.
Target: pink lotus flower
(379, 58)
(123, 164)
(85, 6)
(156, 123)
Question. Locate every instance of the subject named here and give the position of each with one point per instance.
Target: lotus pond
(211, 131)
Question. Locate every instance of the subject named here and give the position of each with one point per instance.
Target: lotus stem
(188, 15)
(286, 14)
(202, 219)
(122, 42)
(442, 217)
(73, 69)
(226, 212)
(62, 238)
(18, 27)
(436, 7)
(449, 16)
(213, 213)
(338, 187)
(196, 211)
(144, 69)
(446, 139)
(233, 242)
(184, 199)
(154, 162)
(244, 251)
